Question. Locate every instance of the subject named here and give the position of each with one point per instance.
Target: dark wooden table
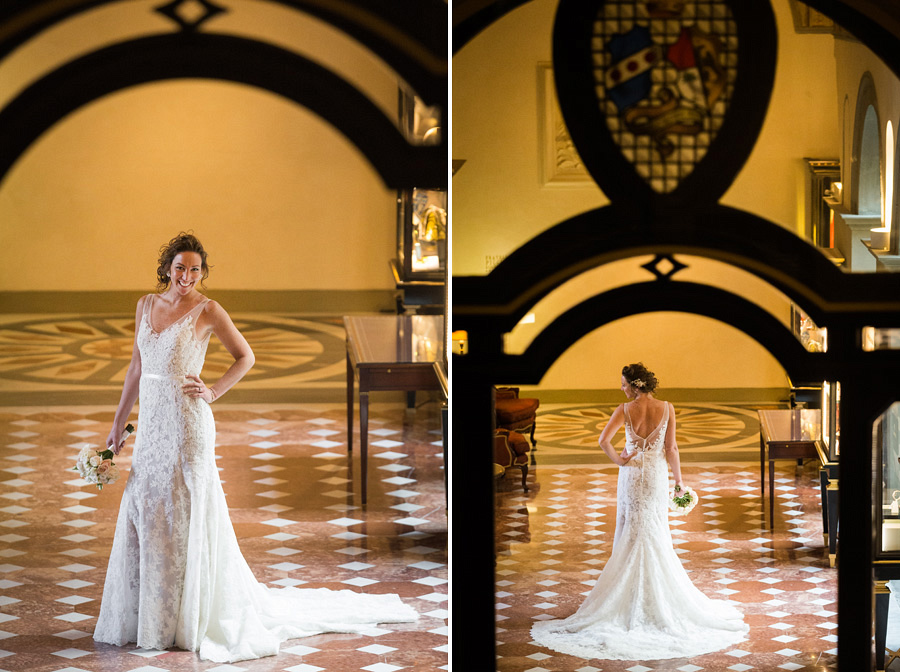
(388, 353)
(786, 434)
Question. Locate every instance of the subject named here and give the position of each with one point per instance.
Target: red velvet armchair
(511, 450)
(515, 414)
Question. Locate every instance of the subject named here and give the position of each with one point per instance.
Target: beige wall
(684, 351)
(499, 203)
(281, 200)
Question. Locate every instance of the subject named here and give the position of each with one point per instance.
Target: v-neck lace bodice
(174, 351)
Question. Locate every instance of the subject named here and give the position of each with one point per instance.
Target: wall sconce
(460, 342)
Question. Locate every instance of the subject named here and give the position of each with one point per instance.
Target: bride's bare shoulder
(142, 302)
(214, 313)
(213, 308)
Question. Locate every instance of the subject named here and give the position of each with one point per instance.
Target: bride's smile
(187, 270)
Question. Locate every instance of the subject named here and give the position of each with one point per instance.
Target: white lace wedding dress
(176, 576)
(643, 606)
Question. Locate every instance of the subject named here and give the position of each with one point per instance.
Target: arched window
(869, 192)
(866, 195)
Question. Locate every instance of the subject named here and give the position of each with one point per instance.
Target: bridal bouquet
(97, 466)
(683, 500)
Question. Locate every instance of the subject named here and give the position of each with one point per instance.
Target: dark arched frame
(686, 297)
(388, 28)
(201, 55)
(790, 264)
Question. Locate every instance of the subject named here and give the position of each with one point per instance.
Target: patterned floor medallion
(95, 350)
(706, 431)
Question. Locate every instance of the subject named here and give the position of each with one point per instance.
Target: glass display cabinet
(422, 234)
(831, 419)
(807, 393)
(825, 396)
(886, 493)
(420, 265)
(813, 338)
(886, 448)
(829, 449)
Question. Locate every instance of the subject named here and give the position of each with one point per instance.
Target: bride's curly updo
(640, 378)
(183, 242)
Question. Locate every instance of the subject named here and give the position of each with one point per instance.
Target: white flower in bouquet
(97, 466)
(683, 500)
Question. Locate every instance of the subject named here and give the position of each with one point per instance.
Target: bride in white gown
(176, 576)
(643, 606)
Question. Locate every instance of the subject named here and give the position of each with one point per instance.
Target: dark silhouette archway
(227, 58)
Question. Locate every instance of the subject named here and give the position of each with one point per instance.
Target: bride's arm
(672, 447)
(130, 388)
(606, 436)
(234, 341)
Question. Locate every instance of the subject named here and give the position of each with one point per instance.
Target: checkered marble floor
(293, 496)
(554, 540)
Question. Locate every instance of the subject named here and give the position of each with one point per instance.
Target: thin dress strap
(195, 312)
(200, 305)
(192, 313)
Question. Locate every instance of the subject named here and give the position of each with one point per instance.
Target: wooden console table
(388, 352)
(785, 434)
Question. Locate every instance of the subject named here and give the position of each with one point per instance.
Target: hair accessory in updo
(640, 377)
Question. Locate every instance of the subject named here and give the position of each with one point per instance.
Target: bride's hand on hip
(194, 387)
(625, 458)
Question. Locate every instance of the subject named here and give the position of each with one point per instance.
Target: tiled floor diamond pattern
(296, 510)
(553, 543)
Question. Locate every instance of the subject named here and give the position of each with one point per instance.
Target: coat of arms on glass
(664, 74)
